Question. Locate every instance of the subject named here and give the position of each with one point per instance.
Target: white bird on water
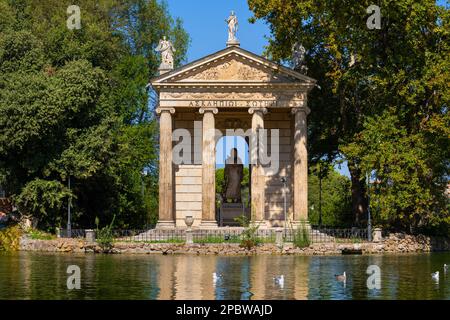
(216, 277)
(435, 276)
(279, 280)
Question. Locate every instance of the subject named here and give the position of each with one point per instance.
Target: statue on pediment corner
(298, 58)
(166, 50)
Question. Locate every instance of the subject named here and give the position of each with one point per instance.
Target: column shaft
(166, 214)
(300, 165)
(257, 174)
(209, 169)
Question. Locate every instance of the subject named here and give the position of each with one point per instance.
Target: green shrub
(249, 237)
(105, 235)
(10, 238)
(301, 237)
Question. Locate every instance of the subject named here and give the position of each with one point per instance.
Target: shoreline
(394, 243)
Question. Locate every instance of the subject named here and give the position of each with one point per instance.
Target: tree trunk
(359, 199)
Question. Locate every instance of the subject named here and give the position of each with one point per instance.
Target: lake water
(26, 275)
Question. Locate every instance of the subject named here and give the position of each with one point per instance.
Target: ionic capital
(160, 110)
(208, 109)
(253, 110)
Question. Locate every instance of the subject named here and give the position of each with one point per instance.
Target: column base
(208, 224)
(168, 224)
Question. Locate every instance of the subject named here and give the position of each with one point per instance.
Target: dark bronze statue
(233, 175)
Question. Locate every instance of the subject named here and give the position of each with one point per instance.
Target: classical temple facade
(238, 90)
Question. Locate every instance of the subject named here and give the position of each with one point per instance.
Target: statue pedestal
(233, 43)
(230, 211)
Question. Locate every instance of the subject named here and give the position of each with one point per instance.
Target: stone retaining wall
(395, 243)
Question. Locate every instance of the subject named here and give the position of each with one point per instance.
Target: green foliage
(243, 221)
(410, 182)
(39, 235)
(384, 97)
(220, 180)
(44, 200)
(10, 238)
(301, 236)
(336, 197)
(104, 236)
(74, 103)
(249, 237)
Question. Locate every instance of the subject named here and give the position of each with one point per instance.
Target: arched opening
(232, 179)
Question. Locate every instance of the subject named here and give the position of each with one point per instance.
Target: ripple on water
(43, 276)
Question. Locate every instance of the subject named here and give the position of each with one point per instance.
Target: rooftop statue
(233, 24)
(166, 49)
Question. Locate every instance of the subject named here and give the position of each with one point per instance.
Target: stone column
(208, 168)
(300, 165)
(166, 212)
(257, 174)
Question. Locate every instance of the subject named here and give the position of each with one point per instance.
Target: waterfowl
(341, 277)
(435, 276)
(279, 280)
(216, 277)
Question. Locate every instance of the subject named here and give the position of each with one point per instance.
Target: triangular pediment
(233, 65)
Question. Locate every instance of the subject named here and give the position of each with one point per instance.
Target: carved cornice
(262, 110)
(160, 110)
(213, 110)
(235, 95)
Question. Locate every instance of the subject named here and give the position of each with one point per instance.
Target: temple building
(231, 92)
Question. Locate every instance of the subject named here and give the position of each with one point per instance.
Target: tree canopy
(73, 103)
(383, 98)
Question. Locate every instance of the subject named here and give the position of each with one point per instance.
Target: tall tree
(329, 197)
(363, 73)
(74, 103)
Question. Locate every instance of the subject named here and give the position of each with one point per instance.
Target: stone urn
(377, 235)
(189, 220)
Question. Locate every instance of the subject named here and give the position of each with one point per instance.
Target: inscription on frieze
(234, 103)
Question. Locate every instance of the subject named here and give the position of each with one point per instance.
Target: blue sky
(204, 20)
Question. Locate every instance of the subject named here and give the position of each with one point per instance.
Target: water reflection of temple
(225, 278)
